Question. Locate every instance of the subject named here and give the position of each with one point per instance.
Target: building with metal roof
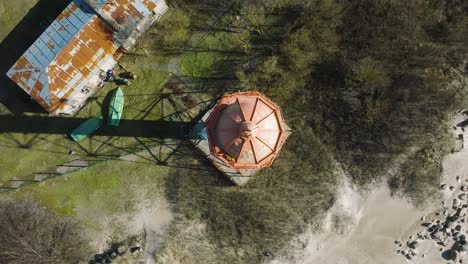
(129, 18)
(241, 134)
(67, 63)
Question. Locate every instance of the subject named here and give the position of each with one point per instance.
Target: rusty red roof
(129, 16)
(66, 59)
(64, 65)
(246, 130)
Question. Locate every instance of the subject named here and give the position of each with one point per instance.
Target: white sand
(151, 217)
(358, 229)
(362, 228)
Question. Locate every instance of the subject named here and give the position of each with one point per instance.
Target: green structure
(116, 108)
(86, 129)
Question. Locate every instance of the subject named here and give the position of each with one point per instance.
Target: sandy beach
(376, 227)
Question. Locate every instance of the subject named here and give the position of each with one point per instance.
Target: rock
(408, 256)
(121, 250)
(462, 211)
(462, 196)
(398, 251)
(413, 244)
(452, 254)
(451, 188)
(423, 218)
(436, 237)
(113, 255)
(443, 186)
(98, 258)
(462, 237)
(458, 228)
(71, 152)
(445, 212)
(135, 250)
(397, 242)
(458, 179)
(464, 248)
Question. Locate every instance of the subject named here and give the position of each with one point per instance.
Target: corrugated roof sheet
(66, 58)
(127, 15)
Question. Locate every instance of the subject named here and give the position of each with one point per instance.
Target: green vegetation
(198, 65)
(98, 187)
(24, 154)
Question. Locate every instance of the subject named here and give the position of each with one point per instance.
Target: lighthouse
(241, 134)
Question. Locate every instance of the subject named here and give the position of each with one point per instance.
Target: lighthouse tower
(241, 134)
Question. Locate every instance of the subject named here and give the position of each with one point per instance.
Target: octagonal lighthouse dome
(241, 134)
(246, 130)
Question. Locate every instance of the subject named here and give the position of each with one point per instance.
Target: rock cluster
(129, 251)
(447, 229)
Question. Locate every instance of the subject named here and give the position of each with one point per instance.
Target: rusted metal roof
(246, 131)
(129, 16)
(66, 59)
(63, 66)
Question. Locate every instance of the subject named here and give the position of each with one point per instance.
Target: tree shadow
(15, 44)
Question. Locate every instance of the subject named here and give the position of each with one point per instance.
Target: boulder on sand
(451, 255)
(413, 244)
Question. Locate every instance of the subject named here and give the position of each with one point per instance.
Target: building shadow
(64, 125)
(16, 43)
